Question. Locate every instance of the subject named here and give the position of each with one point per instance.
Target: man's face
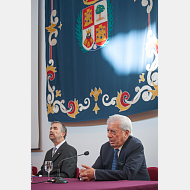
(55, 133)
(116, 136)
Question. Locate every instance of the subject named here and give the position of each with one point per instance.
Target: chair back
(34, 170)
(153, 173)
(77, 173)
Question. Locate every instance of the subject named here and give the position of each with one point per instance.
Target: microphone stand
(59, 179)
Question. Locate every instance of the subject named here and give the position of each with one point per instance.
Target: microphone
(60, 179)
(86, 153)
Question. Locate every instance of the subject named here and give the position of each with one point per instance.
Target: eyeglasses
(112, 131)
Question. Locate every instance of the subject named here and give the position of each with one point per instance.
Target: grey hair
(63, 128)
(124, 122)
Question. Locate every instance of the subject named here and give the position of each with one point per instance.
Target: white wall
(92, 137)
(86, 138)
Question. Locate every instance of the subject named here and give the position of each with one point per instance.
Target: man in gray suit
(60, 151)
(121, 158)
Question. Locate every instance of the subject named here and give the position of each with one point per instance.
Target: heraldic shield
(94, 26)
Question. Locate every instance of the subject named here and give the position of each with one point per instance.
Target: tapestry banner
(101, 58)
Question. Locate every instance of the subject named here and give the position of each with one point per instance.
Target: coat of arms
(94, 23)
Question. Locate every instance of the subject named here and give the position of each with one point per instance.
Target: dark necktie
(115, 159)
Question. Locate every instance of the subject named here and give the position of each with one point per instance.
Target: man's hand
(86, 174)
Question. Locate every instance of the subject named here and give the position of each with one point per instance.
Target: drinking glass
(48, 168)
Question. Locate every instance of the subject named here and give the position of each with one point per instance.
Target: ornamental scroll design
(149, 91)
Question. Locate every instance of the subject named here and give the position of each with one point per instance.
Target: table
(75, 184)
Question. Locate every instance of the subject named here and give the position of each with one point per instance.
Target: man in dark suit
(121, 158)
(60, 151)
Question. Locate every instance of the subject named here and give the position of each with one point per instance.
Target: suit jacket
(131, 164)
(67, 167)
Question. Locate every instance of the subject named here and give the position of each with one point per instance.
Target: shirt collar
(119, 150)
(59, 144)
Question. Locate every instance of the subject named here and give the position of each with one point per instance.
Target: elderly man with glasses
(121, 158)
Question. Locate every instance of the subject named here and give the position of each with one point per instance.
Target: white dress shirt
(56, 147)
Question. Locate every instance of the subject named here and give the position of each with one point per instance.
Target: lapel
(122, 155)
(123, 149)
(108, 156)
(59, 151)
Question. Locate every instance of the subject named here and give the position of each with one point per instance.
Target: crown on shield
(88, 31)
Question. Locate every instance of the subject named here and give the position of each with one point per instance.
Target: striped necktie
(115, 159)
(54, 151)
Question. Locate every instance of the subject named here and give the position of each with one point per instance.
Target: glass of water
(48, 168)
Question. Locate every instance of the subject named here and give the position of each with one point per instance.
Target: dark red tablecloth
(75, 184)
